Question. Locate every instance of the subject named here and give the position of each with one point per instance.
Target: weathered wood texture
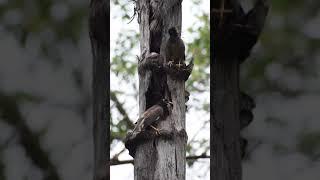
(99, 35)
(161, 158)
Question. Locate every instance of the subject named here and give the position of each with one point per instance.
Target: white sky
(189, 12)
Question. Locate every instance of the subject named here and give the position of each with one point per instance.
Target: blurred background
(282, 74)
(45, 90)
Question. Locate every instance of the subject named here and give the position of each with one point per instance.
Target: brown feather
(175, 49)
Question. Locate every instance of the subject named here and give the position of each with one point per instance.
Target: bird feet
(156, 129)
(179, 64)
(170, 63)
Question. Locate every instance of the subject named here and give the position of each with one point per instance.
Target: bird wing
(182, 49)
(169, 50)
(152, 115)
(139, 125)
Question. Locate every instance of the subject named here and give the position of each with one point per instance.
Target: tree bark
(99, 35)
(226, 135)
(234, 35)
(161, 158)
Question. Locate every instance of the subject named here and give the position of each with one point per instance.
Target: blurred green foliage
(43, 24)
(124, 63)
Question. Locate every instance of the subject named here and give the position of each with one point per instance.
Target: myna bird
(152, 115)
(175, 48)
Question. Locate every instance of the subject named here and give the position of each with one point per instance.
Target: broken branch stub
(239, 31)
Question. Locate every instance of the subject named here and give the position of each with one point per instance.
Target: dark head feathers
(166, 105)
(173, 32)
(164, 102)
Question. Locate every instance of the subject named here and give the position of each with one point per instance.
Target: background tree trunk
(234, 35)
(226, 135)
(225, 127)
(161, 158)
(99, 36)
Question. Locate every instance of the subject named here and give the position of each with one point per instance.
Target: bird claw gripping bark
(175, 55)
(170, 63)
(148, 119)
(179, 71)
(157, 131)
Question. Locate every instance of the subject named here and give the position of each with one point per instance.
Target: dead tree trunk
(160, 157)
(99, 36)
(234, 35)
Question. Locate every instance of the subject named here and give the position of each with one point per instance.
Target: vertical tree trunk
(226, 135)
(226, 161)
(234, 35)
(99, 36)
(161, 158)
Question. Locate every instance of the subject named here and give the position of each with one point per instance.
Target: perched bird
(175, 48)
(153, 115)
